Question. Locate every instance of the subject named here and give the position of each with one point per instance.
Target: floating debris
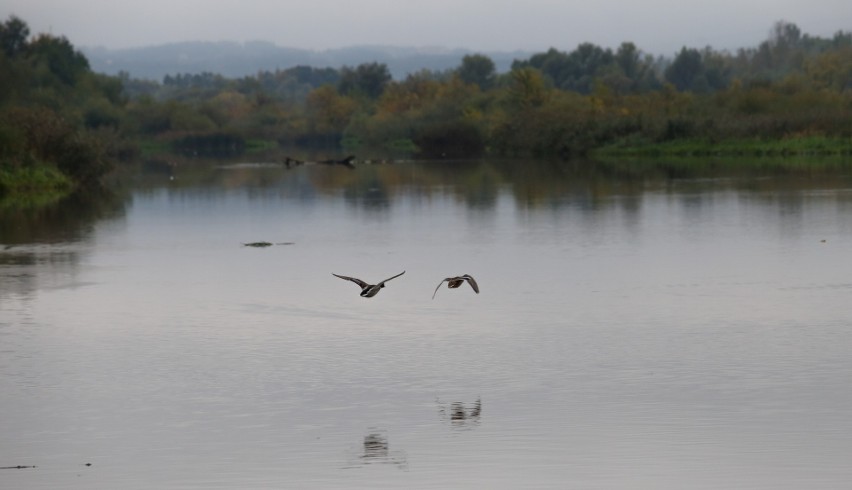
(19, 467)
(346, 162)
(266, 244)
(292, 162)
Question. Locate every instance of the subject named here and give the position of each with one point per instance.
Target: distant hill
(233, 59)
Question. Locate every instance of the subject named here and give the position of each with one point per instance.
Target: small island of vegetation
(63, 126)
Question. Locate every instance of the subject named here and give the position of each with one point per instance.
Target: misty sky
(656, 26)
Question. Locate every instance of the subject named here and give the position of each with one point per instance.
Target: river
(636, 327)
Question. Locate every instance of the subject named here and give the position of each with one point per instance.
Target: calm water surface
(635, 329)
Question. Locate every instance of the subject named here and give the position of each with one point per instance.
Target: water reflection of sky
(636, 333)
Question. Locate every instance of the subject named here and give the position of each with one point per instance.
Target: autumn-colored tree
(527, 88)
(831, 70)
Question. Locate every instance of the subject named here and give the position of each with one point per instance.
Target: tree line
(554, 103)
(57, 113)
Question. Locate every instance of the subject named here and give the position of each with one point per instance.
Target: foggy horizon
(659, 27)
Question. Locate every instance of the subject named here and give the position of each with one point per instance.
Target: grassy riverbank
(32, 186)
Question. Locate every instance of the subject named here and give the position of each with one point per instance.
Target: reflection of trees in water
(461, 415)
(69, 220)
(588, 185)
(372, 187)
(20, 268)
(371, 194)
(478, 183)
(593, 183)
(376, 450)
(179, 172)
(48, 237)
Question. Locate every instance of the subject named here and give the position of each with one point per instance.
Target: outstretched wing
(472, 282)
(439, 287)
(355, 280)
(394, 277)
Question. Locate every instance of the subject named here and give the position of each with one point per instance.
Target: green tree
(368, 79)
(13, 36)
(629, 59)
(51, 140)
(59, 57)
(554, 64)
(686, 69)
(577, 70)
(479, 70)
(588, 62)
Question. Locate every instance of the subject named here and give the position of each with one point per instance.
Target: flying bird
(454, 282)
(368, 290)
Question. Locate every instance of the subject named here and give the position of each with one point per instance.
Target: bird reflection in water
(461, 415)
(377, 451)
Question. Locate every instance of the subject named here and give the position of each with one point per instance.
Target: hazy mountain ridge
(235, 59)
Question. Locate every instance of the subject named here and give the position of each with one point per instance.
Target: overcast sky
(656, 26)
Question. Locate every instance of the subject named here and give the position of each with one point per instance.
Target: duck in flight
(454, 282)
(368, 290)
